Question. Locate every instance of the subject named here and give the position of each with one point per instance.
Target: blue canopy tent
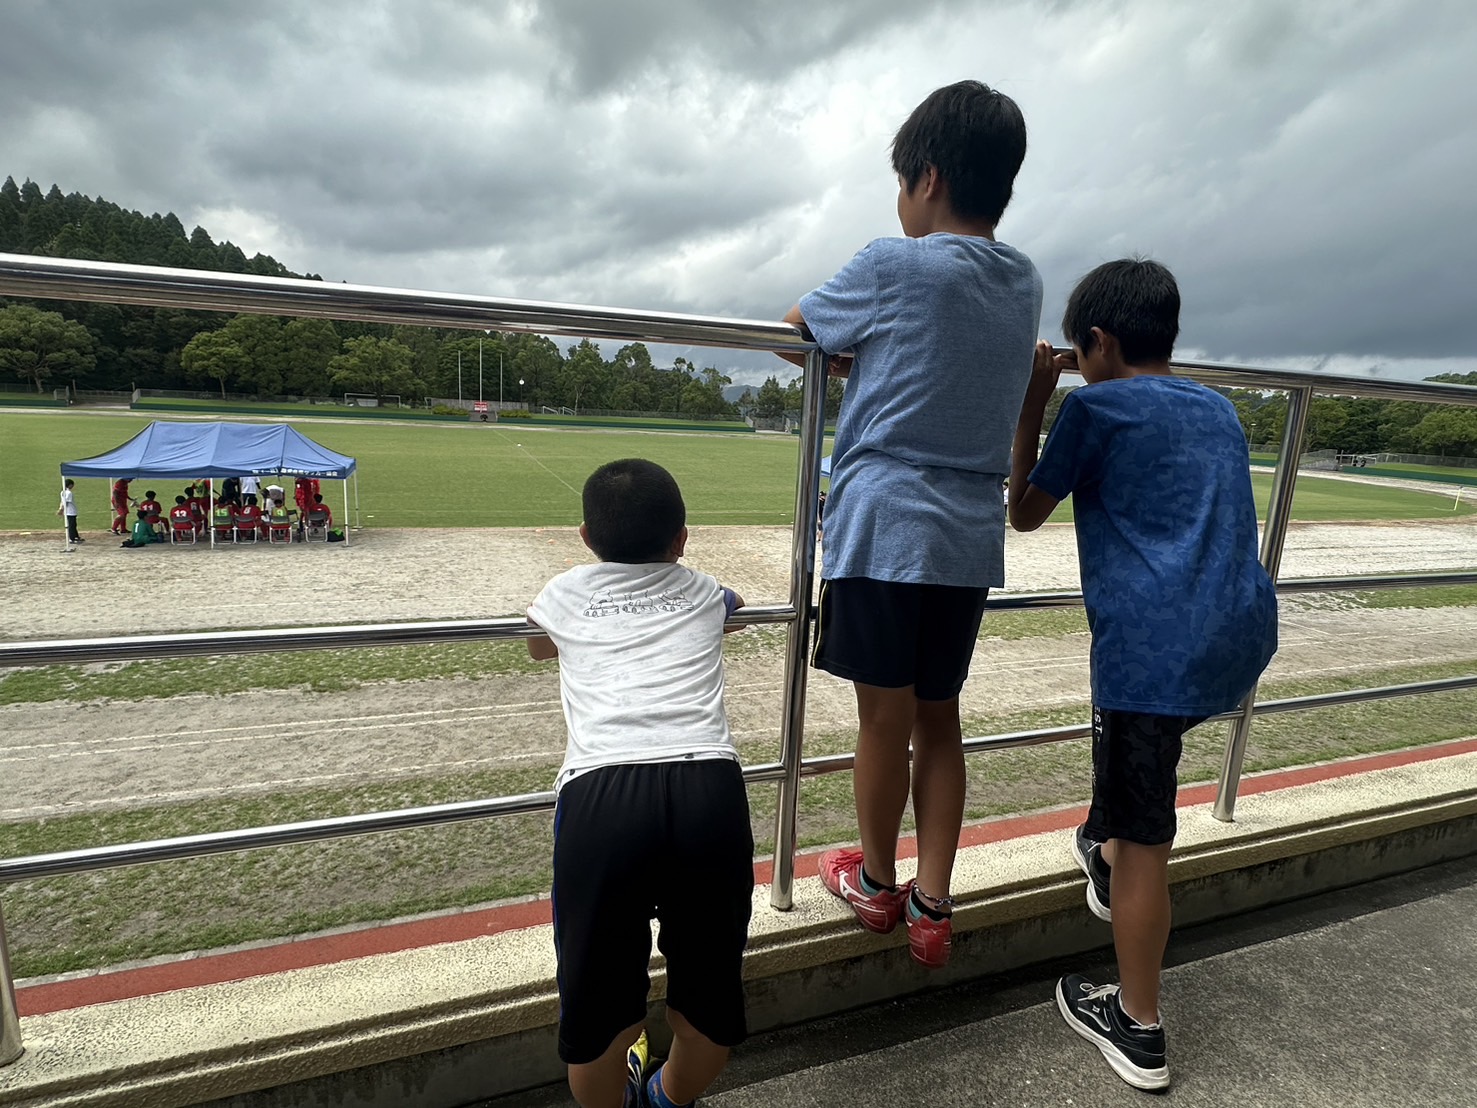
(189, 450)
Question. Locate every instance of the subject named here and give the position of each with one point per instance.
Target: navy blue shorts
(669, 841)
(1135, 775)
(893, 634)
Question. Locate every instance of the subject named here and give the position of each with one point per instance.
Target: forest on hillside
(50, 344)
(105, 347)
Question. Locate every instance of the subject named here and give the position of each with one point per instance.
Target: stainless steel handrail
(92, 859)
(126, 648)
(158, 287)
(22, 275)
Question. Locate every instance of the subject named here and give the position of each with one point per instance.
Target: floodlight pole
(479, 371)
(458, 376)
(499, 382)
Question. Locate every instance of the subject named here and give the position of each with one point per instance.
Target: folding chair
(245, 523)
(225, 526)
(182, 532)
(317, 523)
(154, 520)
(279, 527)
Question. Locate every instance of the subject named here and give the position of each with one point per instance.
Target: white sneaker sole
(1094, 905)
(1136, 1076)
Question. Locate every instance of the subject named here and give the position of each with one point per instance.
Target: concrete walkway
(1366, 997)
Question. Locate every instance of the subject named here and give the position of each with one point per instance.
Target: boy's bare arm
(541, 650)
(839, 365)
(1029, 507)
(738, 602)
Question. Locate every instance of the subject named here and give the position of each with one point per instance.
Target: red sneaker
(929, 940)
(841, 873)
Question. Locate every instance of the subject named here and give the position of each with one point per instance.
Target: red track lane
(317, 950)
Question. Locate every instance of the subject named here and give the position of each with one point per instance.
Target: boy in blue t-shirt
(941, 325)
(1183, 616)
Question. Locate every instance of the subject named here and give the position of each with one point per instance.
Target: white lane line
(258, 786)
(351, 723)
(165, 743)
(531, 457)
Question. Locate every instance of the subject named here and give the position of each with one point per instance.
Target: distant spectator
(68, 508)
(250, 486)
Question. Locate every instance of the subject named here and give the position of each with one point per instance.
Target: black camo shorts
(1135, 762)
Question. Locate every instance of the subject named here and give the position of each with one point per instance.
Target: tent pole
(345, 527)
(210, 515)
(357, 524)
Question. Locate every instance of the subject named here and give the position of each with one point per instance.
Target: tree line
(112, 347)
(121, 347)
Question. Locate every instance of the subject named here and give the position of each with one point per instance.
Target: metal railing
(107, 283)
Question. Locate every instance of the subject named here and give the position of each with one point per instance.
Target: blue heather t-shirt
(1183, 616)
(942, 329)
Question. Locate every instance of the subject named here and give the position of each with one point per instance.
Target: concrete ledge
(452, 1023)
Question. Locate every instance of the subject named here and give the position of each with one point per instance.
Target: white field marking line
(167, 747)
(531, 457)
(257, 786)
(407, 716)
(541, 706)
(165, 743)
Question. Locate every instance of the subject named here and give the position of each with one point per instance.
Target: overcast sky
(1308, 168)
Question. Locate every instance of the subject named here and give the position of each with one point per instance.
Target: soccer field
(509, 476)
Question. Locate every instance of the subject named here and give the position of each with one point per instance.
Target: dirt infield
(388, 575)
(67, 757)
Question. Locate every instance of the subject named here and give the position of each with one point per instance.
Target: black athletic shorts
(1135, 758)
(893, 634)
(669, 841)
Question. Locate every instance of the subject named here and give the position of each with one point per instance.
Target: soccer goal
(369, 400)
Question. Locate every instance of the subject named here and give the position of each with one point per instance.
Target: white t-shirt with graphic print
(640, 663)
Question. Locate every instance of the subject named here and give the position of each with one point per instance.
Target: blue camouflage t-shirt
(1183, 616)
(942, 328)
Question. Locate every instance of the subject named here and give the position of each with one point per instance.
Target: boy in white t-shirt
(652, 820)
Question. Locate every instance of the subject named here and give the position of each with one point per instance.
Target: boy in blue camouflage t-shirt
(1183, 616)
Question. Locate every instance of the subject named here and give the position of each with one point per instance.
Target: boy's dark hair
(149, 495)
(975, 137)
(1134, 300)
(633, 511)
(69, 483)
(179, 499)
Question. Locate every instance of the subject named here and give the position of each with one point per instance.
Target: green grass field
(473, 475)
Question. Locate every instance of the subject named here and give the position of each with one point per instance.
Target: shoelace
(1098, 992)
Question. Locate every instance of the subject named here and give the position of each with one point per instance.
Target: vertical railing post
(1274, 534)
(797, 646)
(10, 1023)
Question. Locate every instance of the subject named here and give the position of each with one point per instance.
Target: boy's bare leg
(880, 776)
(1140, 897)
(602, 1083)
(694, 1063)
(938, 792)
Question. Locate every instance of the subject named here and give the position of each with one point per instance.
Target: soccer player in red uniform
(121, 501)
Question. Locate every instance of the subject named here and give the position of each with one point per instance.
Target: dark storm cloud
(1304, 167)
(603, 44)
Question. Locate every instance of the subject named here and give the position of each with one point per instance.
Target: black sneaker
(1089, 855)
(1136, 1053)
(1083, 845)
